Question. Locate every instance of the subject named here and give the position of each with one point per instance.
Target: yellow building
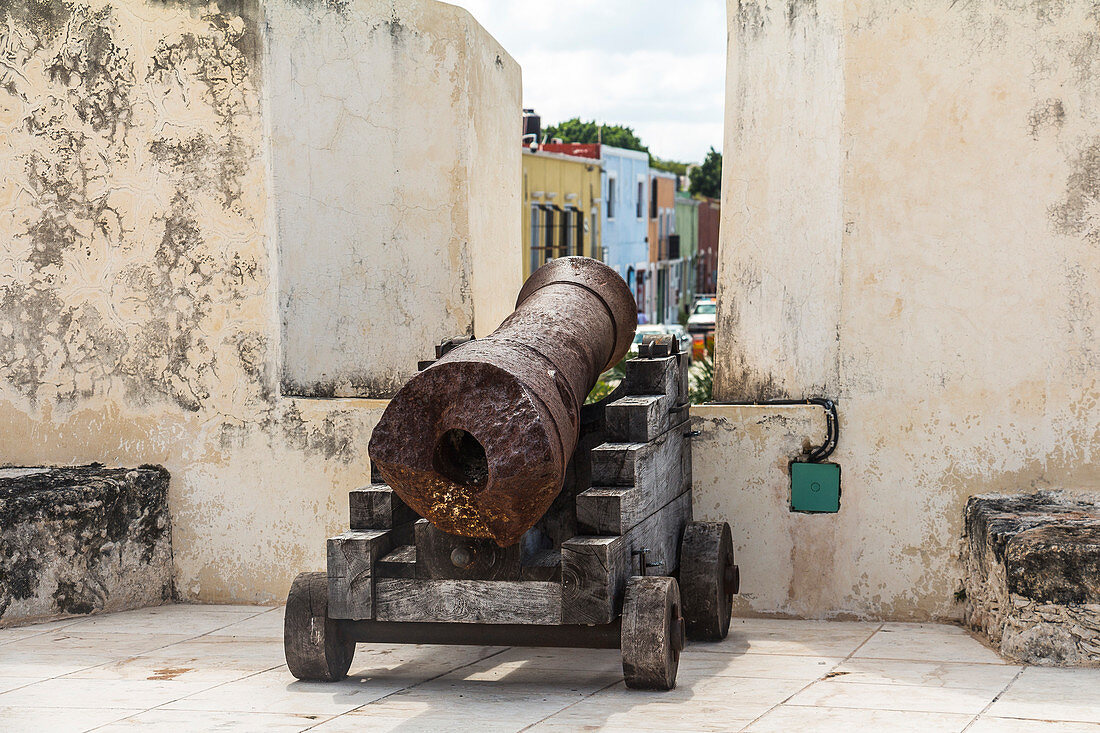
(561, 198)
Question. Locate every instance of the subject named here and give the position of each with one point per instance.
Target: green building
(686, 231)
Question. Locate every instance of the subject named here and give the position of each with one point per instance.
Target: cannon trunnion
(615, 561)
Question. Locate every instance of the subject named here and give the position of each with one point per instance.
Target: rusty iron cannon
(502, 510)
(478, 443)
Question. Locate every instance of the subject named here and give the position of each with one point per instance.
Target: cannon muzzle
(478, 443)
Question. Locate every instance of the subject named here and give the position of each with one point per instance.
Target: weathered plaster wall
(911, 228)
(418, 100)
(138, 300)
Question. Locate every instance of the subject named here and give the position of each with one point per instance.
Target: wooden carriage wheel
(708, 579)
(652, 632)
(314, 646)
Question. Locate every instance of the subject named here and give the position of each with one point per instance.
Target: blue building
(624, 217)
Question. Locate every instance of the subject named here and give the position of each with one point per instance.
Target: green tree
(578, 131)
(706, 179)
(672, 166)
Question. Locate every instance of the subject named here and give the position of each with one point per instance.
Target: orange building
(661, 295)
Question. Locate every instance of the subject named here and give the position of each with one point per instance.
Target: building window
(640, 203)
(611, 183)
(568, 231)
(536, 231)
(545, 234)
(653, 198)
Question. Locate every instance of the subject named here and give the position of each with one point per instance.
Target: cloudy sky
(655, 65)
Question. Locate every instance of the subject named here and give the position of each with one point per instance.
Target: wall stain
(172, 356)
(217, 62)
(750, 19)
(799, 8)
(96, 72)
(1078, 213)
(45, 19)
(1047, 113)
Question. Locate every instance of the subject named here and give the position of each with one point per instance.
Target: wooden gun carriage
(615, 562)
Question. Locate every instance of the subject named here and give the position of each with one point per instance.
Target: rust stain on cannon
(478, 442)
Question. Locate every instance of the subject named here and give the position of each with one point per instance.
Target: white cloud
(653, 65)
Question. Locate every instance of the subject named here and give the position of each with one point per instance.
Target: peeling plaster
(911, 230)
(137, 279)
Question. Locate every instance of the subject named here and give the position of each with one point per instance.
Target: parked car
(701, 320)
(683, 337)
(674, 330)
(645, 329)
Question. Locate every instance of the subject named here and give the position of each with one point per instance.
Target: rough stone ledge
(1032, 564)
(82, 539)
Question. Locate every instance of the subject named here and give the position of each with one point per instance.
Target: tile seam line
(589, 696)
(996, 697)
(125, 658)
(182, 641)
(815, 681)
(191, 694)
(409, 687)
(74, 621)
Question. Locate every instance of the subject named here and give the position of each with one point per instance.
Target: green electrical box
(815, 487)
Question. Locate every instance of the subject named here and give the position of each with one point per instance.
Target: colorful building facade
(706, 262)
(662, 299)
(561, 207)
(686, 235)
(626, 216)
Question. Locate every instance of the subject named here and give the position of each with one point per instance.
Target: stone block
(83, 539)
(1032, 564)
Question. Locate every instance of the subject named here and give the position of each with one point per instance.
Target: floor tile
(11, 683)
(423, 718)
(71, 642)
(518, 674)
(550, 658)
(767, 666)
(193, 721)
(277, 691)
(739, 698)
(990, 724)
(649, 711)
(807, 639)
(927, 645)
(58, 720)
(988, 677)
(267, 625)
(175, 620)
(1052, 694)
(204, 658)
(499, 705)
(951, 629)
(788, 718)
(13, 633)
(835, 694)
(68, 692)
(41, 666)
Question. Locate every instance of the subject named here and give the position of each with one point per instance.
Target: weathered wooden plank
(661, 376)
(640, 418)
(378, 507)
(594, 569)
(351, 559)
(637, 463)
(401, 563)
(468, 601)
(543, 565)
(631, 480)
(449, 557)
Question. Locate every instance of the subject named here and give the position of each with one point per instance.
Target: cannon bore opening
(461, 458)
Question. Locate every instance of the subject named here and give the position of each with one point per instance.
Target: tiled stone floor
(202, 668)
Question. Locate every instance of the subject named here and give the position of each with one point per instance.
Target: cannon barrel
(478, 442)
